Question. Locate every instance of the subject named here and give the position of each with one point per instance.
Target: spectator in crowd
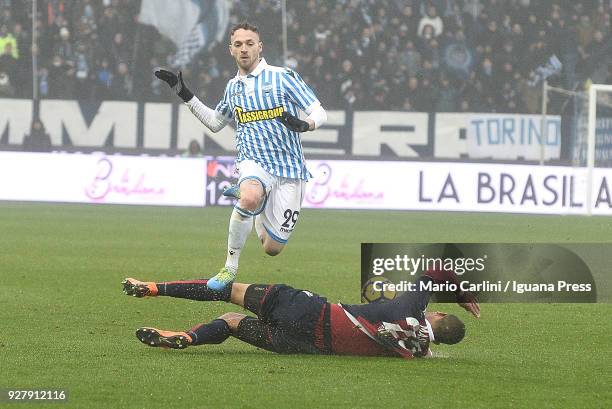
(104, 80)
(598, 50)
(426, 34)
(38, 140)
(194, 150)
(83, 62)
(6, 88)
(411, 58)
(43, 82)
(410, 20)
(120, 52)
(61, 79)
(446, 98)
(64, 48)
(23, 41)
(121, 85)
(8, 62)
(487, 75)
(492, 37)
(585, 31)
(412, 92)
(7, 38)
(433, 20)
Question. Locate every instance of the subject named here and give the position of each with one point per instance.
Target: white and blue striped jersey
(254, 102)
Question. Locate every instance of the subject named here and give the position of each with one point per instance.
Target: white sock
(259, 228)
(239, 229)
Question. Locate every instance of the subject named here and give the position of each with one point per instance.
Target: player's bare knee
(232, 319)
(251, 194)
(272, 251)
(250, 202)
(272, 248)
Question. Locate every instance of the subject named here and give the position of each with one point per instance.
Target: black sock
(193, 290)
(214, 332)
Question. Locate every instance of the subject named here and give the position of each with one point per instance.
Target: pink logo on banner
(106, 183)
(349, 190)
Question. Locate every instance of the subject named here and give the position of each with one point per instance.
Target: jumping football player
(263, 101)
(295, 321)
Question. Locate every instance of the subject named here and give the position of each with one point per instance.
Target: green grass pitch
(66, 324)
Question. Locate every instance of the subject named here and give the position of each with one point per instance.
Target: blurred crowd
(411, 55)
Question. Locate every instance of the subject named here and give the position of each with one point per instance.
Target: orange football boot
(136, 288)
(166, 339)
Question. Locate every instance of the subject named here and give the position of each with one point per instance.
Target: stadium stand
(419, 55)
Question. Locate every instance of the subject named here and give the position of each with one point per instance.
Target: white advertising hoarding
(81, 178)
(336, 184)
(456, 186)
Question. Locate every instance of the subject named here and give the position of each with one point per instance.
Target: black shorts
(298, 320)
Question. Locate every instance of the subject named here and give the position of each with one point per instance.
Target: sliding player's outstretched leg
(137, 288)
(214, 332)
(190, 289)
(154, 337)
(245, 328)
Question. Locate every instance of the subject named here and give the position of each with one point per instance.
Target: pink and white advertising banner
(337, 184)
(97, 178)
(457, 186)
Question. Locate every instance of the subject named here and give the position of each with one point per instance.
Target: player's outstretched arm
(211, 118)
(175, 82)
(469, 302)
(465, 299)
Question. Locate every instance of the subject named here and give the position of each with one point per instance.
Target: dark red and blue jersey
(354, 327)
(303, 322)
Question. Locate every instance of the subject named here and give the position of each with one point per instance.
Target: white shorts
(283, 199)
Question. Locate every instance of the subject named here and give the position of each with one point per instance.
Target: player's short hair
(244, 26)
(449, 330)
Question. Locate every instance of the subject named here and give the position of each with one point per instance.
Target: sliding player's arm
(465, 299)
(213, 119)
(468, 302)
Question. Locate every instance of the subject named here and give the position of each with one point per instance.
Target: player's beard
(247, 64)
